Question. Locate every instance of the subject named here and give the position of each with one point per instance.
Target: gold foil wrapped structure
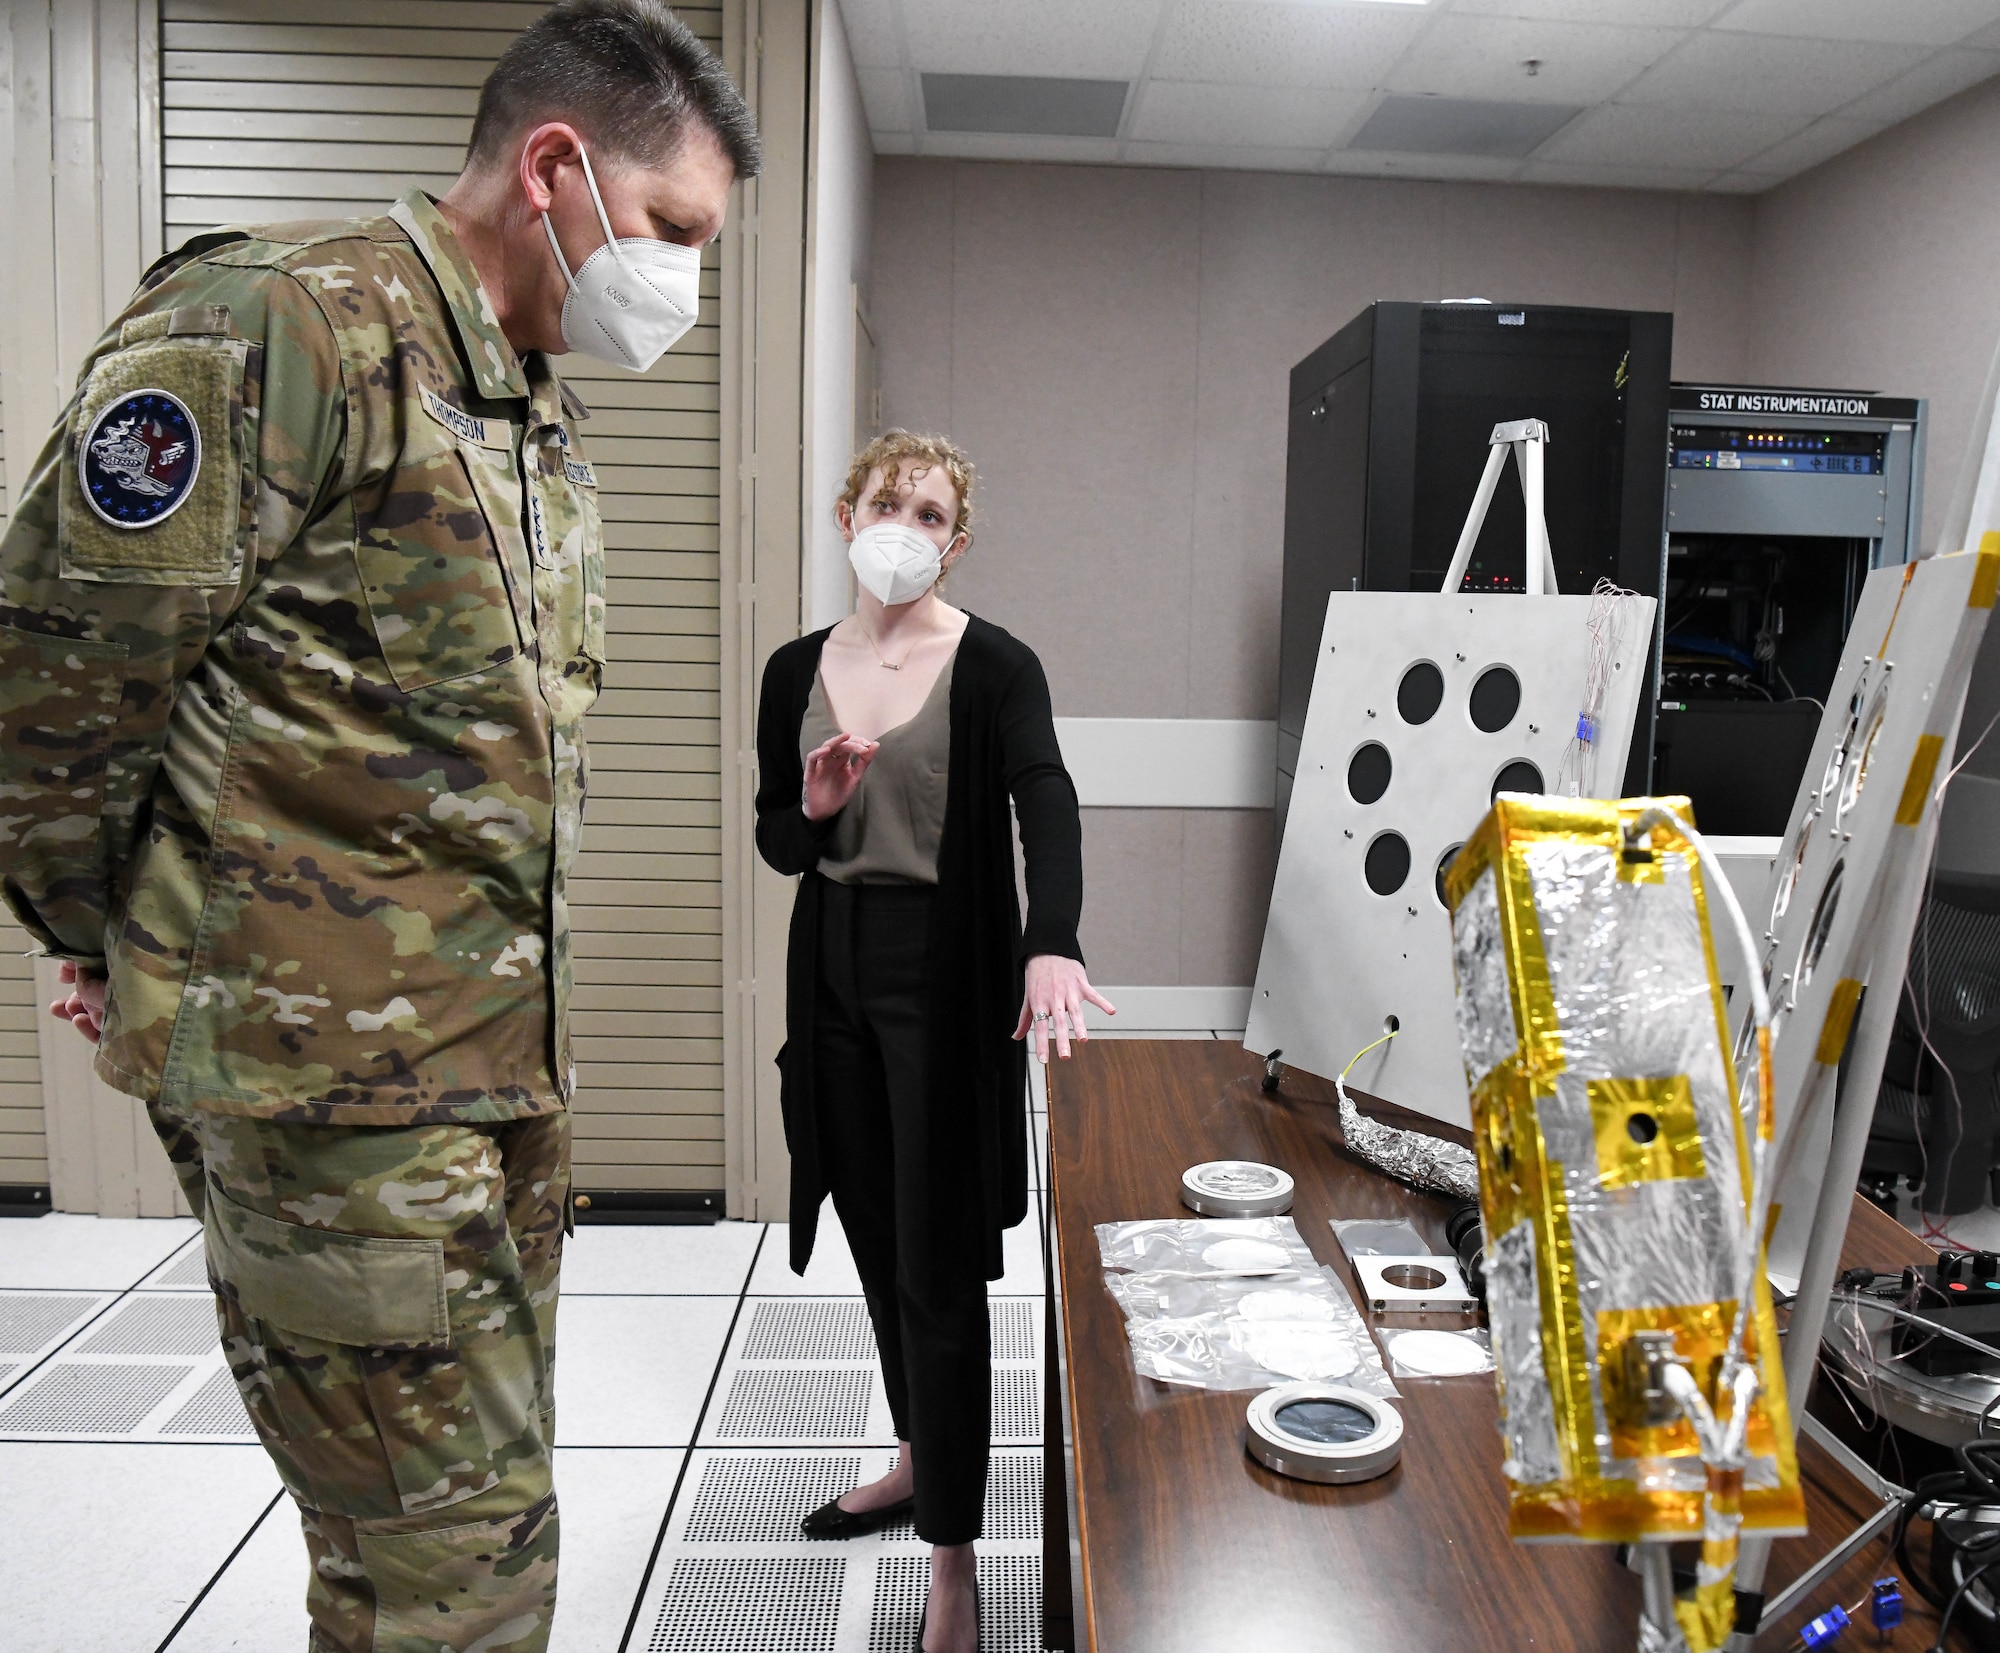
(1615, 1177)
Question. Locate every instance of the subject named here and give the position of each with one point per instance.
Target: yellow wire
(1344, 1072)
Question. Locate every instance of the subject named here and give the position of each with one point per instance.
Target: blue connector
(1827, 1629)
(1586, 728)
(1886, 1606)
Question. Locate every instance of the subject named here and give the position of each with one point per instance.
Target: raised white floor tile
(259, 1603)
(831, 1271)
(108, 1554)
(612, 1507)
(668, 1260)
(632, 1371)
(67, 1251)
(829, 1274)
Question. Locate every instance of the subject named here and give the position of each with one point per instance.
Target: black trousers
(910, 1221)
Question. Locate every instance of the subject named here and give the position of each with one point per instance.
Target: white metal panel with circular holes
(1352, 948)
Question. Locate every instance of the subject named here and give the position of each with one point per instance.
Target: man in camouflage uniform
(300, 613)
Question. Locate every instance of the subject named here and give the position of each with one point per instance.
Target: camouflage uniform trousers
(387, 1299)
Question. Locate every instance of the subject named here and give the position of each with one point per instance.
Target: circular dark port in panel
(1368, 773)
(1387, 863)
(1496, 697)
(1420, 693)
(1444, 866)
(1642, 1128)
(1518, 776)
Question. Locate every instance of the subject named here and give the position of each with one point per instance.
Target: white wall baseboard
(1174, 1009)
(1170, 762)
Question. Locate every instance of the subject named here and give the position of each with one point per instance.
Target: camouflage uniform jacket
(300, 763)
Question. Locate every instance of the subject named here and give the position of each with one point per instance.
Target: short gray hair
(628, 74)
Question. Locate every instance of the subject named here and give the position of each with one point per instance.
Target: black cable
(1957, 1596)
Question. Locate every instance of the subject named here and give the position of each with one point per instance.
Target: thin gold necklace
(887, 666)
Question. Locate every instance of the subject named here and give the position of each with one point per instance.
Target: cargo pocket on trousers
(351, 1338)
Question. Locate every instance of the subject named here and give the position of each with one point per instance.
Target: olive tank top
(891, 828)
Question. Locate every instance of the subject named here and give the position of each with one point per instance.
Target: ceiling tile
(1819, 142)
(1763, 73)
(886, 93)
(871, 33)
(1931, 81)
(1230, 157)
(1105, 39)
(1375, 163)
(1483, 57)
(1271, 117)
(1898, 22)
(1671, 14)
(1625, 134)
(894, 143)
(1616, 177)
(1241, 43)
(1008, 146)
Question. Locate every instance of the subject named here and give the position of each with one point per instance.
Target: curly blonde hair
(894, 449)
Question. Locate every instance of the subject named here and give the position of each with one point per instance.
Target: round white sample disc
(1303, 1352)
(1283, 1305)
(1439, 1354)
(1246, 1254)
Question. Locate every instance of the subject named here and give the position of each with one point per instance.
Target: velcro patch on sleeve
(152, 467)
(579, 472)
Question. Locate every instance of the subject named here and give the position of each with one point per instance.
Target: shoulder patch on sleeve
(579, 471)
(152, 466)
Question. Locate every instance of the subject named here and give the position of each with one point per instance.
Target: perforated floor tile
(755, 1604)
(180, 1324)
(1015, 1322)
(1013, 1502)
(808, 1330)
(186, 1272)
(1017, 1403)
(96, 1399)
(797, 1404)
(758, 1498)
(216, 1409)
(32, 1322)
(1010, 1603)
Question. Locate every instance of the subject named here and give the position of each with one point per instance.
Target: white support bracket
(1526, 438)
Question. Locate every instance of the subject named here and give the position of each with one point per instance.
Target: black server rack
(1387, 437)
(1779, 501)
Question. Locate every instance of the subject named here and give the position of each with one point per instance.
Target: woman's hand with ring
(1056, 992)
(833, 771)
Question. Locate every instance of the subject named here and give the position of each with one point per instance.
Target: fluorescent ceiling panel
(1462, 126)
(1036, 105)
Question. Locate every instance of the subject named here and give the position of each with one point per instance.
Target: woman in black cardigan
(910, 981)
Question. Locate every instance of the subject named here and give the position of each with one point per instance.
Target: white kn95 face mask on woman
(632, 299)
(894, 563)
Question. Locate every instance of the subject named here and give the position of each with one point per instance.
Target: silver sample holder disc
(1324, 1432)
(1413, 1285)
(1236, 1188)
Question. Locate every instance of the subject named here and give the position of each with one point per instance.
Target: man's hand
(83, 1009)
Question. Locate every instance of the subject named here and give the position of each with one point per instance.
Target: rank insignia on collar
(139, 460)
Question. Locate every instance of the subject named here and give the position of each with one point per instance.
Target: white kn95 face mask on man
(894, 563)
(631, 300)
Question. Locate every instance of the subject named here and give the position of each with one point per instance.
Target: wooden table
(1187, 1543)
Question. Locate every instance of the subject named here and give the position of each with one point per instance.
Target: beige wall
(1113, 347)
(1881, 271)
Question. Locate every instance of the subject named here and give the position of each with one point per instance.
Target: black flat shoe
(831, 1521)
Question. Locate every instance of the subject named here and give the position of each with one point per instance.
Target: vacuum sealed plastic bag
(1379, 1237)
(1426, 1353)
(1235, 1303)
